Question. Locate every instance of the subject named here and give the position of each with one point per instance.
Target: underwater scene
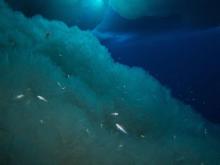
(109, 82)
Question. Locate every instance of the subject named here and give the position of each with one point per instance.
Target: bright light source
(98, 3)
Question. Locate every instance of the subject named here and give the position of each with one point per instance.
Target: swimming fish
(120, 128)
(19, 96)
(115, 114)
(42, 98)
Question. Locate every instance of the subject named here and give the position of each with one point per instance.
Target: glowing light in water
(98, 3)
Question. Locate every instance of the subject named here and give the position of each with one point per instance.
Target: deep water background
(186, 60)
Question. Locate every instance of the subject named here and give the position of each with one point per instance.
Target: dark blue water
(186, 61)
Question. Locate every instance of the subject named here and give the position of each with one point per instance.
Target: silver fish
(42, 98)
(120, 128)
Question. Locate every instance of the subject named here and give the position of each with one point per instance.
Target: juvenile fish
(42, 98)
(120, 128)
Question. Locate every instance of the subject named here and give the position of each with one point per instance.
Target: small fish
(206, 131)
(58, 83)
(62, 87)
(120, 145)
(41, 121)
(142, 136)
(120, 128)
(42, 98)
(87, 131)
(115, 114)
(19, 96)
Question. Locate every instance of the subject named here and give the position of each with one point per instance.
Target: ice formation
(41, 122)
